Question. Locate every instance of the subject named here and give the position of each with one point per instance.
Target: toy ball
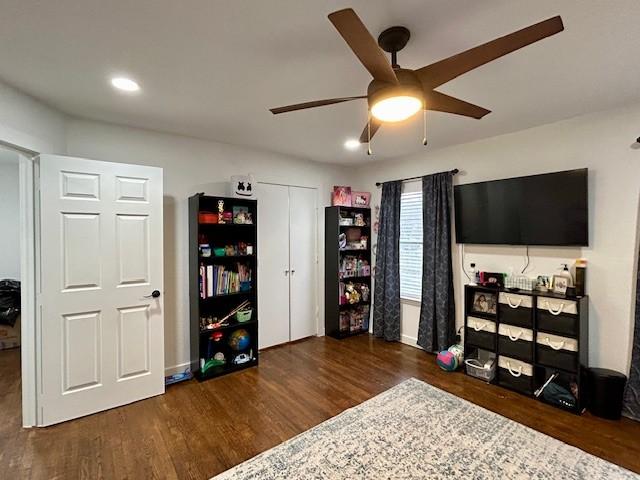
(447, 361)
(458, 351)
(239, 339)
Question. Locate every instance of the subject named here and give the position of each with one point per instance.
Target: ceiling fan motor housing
(409, 85)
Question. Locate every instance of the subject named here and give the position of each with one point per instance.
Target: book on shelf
(218, 280)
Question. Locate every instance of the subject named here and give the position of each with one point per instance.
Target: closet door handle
(286, 272)
(292, 272)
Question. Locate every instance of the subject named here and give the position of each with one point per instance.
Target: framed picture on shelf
(543, 283)
(560, 284)
(341, 196)
(361, 199)
(484, 302)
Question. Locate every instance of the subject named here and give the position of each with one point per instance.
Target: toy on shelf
(242, 358)
(221, 211)
(354, 266)
(242, 216)
(216, 361)
(359, 220)
(239, 340)
(351, 293)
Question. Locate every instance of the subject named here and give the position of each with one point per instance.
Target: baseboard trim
(409, 340)
(181, 367)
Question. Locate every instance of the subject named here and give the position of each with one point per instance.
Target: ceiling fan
(396, 93)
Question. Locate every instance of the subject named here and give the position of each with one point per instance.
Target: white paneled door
(101, 330)
(273, 265)
(303, 261)
(287, 268)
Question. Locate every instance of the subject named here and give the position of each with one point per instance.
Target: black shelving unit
(533, 336)
(344, 319)
(207, 342)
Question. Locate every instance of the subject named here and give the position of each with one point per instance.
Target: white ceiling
(211, 69)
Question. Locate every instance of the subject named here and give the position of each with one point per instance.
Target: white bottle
(566, 274)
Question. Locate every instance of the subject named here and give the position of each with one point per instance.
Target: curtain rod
(453, 172)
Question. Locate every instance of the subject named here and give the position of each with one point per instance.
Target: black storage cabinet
(569, 367)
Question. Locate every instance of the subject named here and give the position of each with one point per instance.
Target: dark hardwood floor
(197, 430)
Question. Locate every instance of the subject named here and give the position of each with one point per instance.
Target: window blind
(411, 245)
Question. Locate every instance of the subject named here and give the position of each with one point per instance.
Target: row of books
(219, 280)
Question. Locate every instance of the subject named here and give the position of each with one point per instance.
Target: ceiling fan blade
(363, 44)
(441, 72)
(315, 103)
(375, 125)
(444, 103)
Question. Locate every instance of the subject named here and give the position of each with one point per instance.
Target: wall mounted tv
(548, 209)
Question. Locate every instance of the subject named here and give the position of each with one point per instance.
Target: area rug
(416, 431)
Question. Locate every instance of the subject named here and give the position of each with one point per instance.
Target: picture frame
(543, 283)
(361, 199)
(560, 284)
(341, 196)
(484, 302)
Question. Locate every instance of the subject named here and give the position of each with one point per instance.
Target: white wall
(29, 124)
(192, 166)
(9, 216)
(600, 141)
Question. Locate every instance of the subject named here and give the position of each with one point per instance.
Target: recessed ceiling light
(352, 144)
(125, 84)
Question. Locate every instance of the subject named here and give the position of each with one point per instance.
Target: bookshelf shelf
(213, 281)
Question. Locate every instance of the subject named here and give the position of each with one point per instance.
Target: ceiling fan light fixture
(397, 108)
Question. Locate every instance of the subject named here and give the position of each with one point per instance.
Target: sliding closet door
(303, 221)
(273, 264)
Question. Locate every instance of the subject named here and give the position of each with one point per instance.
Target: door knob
(292, 272)
(154, 294)
(286, 272)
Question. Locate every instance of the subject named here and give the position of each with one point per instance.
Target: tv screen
(548, 209)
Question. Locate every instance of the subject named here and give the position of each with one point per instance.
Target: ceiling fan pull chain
(369, 152)
(424, 126)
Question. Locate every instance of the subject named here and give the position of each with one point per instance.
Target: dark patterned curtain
(631, 406)
(386, 292)
(436, 330)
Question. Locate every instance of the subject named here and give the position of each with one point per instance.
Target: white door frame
(319, 280)
(28, 280)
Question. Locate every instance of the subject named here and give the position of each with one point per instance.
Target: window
(411, 245)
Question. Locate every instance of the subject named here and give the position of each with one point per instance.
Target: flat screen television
(548, 209)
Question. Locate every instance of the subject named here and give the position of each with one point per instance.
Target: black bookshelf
(214, 343)
(537, 331)
(342, 318)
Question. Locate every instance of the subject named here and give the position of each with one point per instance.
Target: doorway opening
(11, 276)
